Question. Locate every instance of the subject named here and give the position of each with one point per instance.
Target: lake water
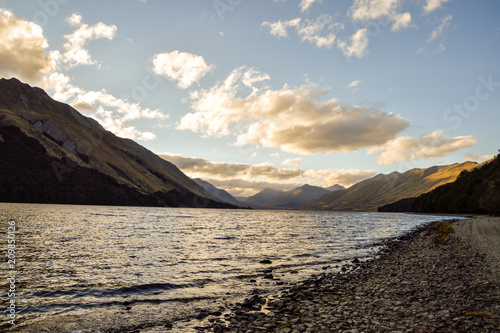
(116, 269)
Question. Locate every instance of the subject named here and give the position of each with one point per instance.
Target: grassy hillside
(372, 193)
(67, 150)
(474, 192)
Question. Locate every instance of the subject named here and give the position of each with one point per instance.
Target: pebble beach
(442, 277)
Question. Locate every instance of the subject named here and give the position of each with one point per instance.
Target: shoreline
(430, 279)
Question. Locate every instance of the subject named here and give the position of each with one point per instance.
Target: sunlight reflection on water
(117, 268)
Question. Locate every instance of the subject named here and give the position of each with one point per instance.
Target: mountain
(474, 192)
(50, 153)
(335, 187)
(262, 198)
(271, 199)
(218, 193)
(382, 189)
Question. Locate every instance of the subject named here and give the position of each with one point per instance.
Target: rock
(355, 261)
(266, 261)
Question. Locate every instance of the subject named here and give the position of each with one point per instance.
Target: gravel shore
(430, 280)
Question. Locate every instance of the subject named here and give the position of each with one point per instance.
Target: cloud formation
(291, 119)
(478, 158)
(432, 5)
(22, 49)
(246, 179)
(111, 112)
(183, 67)
(436, 144)
(359, 44)
(318, 32)
(306, 4)
(292, 161)
(75, 52)
(367, 10)
(436, 37)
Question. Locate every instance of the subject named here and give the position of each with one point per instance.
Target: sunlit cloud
(365, 10)
(346, 178)
(318, 32)
(359, 44)
(291, 119)
(436, 144)
(110, 111)
(432, 5)
(401, 21)
(23, 49)
(182, 67)
(246, 179)
(306, 4)
(292, 161)
(478, 158)
(436, 37)
(75, 52)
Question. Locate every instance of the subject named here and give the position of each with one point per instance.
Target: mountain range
(50, 153)
(474, 192)
(382, 189)
(273, 199)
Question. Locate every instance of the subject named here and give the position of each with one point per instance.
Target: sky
(272, 93)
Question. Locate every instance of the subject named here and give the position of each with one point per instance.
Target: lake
(96, 268)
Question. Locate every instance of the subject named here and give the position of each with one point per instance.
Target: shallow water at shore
(117, 268)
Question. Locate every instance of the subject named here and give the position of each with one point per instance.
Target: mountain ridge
(382, 189)
(70, 146)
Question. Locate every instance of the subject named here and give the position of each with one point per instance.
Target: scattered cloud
(291, 119)
(292, 161)
(436, 37)
(445, 23)
(318, 32)
(183, 67)
(306, 4)
(22, 49)
(246, 179)
(111, 112)
(401, 21)
(477, 158)
(346, 178)
(358, 47)
(75, 52)
(432, 5)
(436, 144)
(354, 85)
(366, 10)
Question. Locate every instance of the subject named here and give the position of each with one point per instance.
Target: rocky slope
(50, 153)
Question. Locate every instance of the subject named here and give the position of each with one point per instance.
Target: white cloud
(75, 52)
(436, 144)
(318, 32)
(432, 5)
(183, 67)
(445, 23)
(365, 10)
(478, 158)
(306, 4)
(436, 37)
(292, 161)
(342, 177)
(22, 49)
(358, 47)
(354, 85)
(291, 119)
(401, 21)
(111, 112)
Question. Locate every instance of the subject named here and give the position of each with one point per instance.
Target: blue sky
(272, 93)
